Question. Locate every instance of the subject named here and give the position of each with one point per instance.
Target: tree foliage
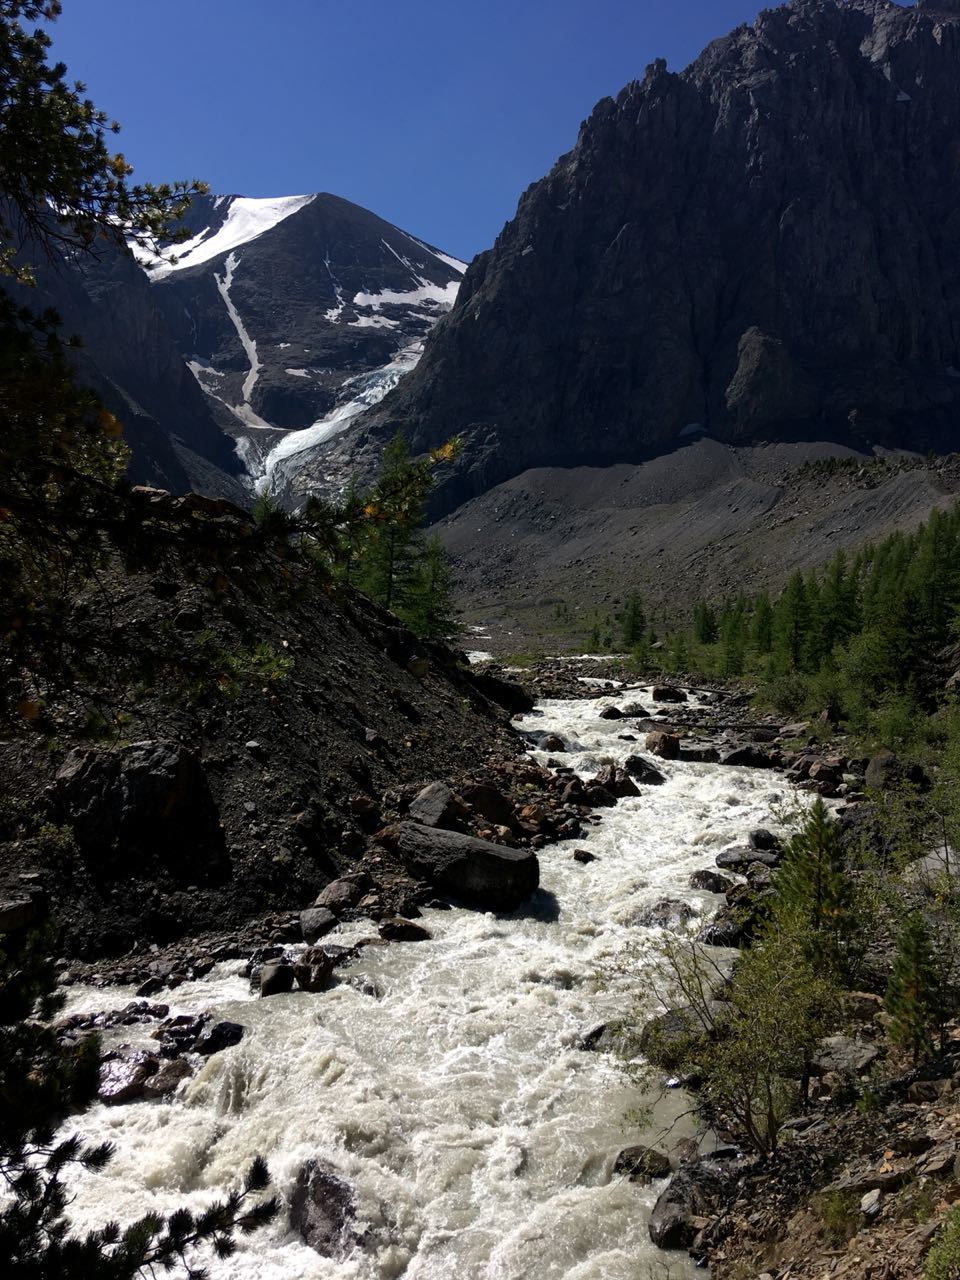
(913, 997)
(750, 1051)
(54, 157)
(375, 540)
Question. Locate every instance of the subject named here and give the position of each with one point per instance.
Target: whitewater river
(478, 1138)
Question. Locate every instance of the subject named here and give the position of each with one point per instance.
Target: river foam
(478, 1138)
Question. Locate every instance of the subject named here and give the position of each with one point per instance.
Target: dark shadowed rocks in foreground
(484, 875)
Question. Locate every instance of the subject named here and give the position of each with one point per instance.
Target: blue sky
(436, 114)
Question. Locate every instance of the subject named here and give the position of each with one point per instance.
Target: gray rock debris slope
(763, 246)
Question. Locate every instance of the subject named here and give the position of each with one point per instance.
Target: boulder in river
(611, 713)
(167, 1080)
(218, 1036)
(313, 969)
(689, 1196)
(743, 856)
(748, 756)
(123, 1076)
(493, 877)
(667, 693)
(668, 913)
(642, 1164)
(276, 978)
(323, 1210)
(397, 929)
(663, 744)
(617, 781)
(315, 922)
(710, 881)
(643, 771)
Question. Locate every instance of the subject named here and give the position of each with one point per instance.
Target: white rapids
(478, 1138)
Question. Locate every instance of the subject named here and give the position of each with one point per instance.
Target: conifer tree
(732, 641)
(791, 618)
(913, 995)
(762, 636)
(705, 629)
(814, 891)
(634, 622)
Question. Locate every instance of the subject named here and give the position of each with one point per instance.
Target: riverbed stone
(643, 771)
(747, 756)
(397, 929)
(315, 922)
(276, 978)
(123, 1075)
(218, 1036)
(709, 881)
(323, 1210)
(314, 969)
(642, 1164)
(667, 693)
(168, 1079)
(493, 877)
(617, 781)
(663, 744)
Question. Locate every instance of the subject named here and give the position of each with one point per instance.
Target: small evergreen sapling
(913, 998)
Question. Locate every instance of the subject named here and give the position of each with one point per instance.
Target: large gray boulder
(482, 874)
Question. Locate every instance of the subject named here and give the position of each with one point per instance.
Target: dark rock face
(276, 978)
(151, 796)
(493, 877)
(130, 358)
(219, 1036)
(762, 245)
(123, 1076)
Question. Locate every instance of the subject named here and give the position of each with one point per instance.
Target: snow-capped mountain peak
(295, 313)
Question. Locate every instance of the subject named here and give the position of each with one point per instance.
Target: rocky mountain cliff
(129, 357)
(763, 246)
(296, 313)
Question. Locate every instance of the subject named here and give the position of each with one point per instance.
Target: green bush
(943, 1260)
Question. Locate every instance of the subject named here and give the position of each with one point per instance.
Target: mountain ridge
(761, 246)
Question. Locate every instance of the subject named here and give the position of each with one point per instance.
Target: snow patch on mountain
(365, 389)
(444, 295)
(246, 220)
(454, 263)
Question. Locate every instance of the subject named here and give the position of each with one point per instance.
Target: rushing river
(478, 1138)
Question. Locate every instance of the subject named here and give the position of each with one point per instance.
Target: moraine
(477, 1136)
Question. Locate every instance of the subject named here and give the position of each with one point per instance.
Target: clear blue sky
(435, 114)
